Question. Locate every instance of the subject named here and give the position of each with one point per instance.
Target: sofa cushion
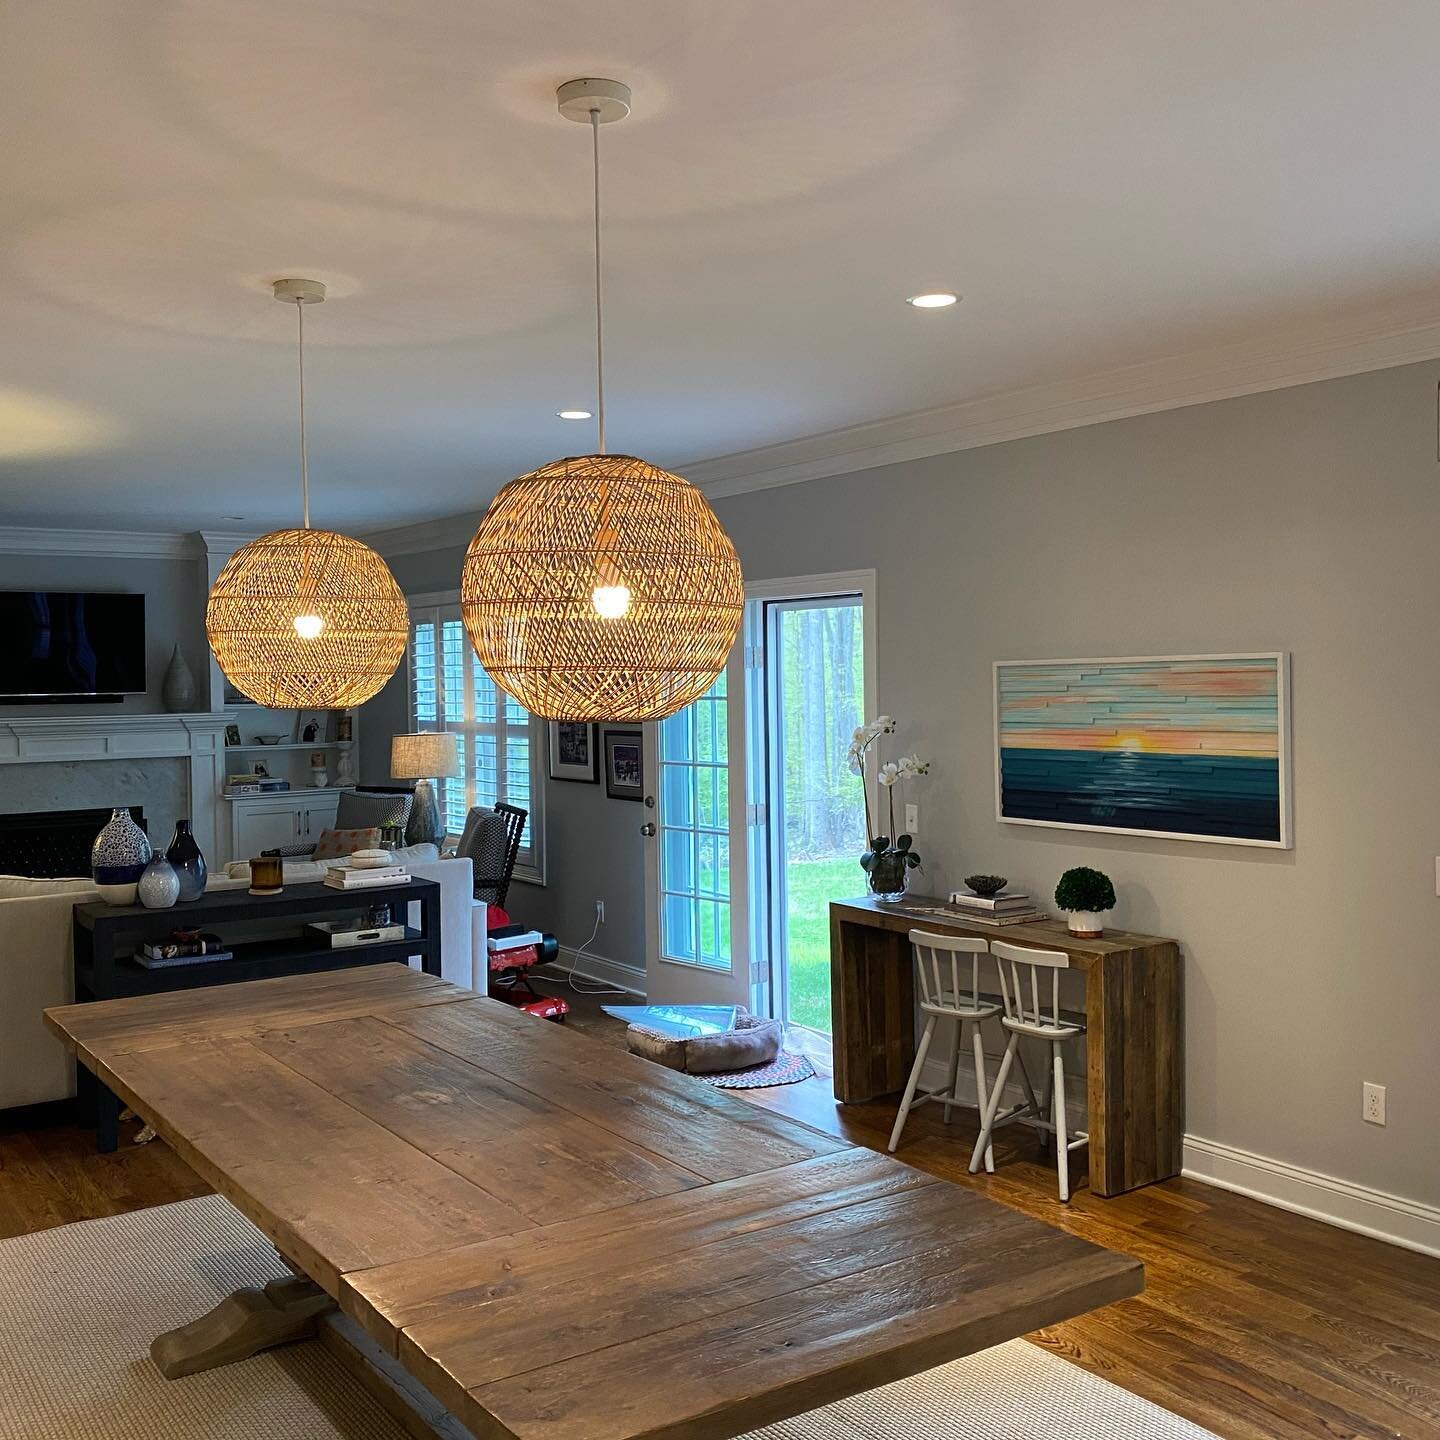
(332, 844)
(22, 887)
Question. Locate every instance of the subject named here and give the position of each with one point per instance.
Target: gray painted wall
(1305, 520)
(174, 591)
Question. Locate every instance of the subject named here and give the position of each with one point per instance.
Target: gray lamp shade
(424, 757)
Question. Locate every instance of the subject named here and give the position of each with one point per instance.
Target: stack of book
(347, 877)
(1009, 907)
(236, 785)
(164, 954)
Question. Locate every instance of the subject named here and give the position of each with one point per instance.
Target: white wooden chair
(1030, 1017)
(949, 989)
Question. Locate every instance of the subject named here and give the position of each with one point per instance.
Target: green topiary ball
(1085, 889)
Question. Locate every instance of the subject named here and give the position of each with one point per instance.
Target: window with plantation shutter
(496, 736)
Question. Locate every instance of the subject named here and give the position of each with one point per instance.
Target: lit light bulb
(610, 601)
(307, 627)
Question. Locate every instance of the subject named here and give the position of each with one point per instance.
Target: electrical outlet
(600, 911)
(912, 819)
(1372, 1103)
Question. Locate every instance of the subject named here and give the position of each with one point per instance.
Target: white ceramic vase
(159, 886)
(177, 689)
(1088, 924)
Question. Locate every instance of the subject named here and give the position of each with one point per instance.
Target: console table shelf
(106, 937)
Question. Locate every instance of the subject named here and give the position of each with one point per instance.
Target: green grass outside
(810, 886)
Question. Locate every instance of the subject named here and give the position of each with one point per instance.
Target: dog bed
(753, 1041)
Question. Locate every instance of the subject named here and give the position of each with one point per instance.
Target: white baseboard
(1411, 1224)
(1408, 1223)
(601, 969)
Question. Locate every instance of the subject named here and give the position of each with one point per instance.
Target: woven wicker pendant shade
(527, 592)
(252, 611)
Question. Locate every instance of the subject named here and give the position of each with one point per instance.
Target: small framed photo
(624, 765)
(313, 727)
(232, 734)
(575, 751)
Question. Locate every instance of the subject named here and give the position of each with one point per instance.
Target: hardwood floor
(1255, 1323)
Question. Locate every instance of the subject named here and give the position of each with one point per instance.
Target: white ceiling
(1107, 183)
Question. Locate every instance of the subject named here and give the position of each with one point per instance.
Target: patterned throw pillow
(334, 843)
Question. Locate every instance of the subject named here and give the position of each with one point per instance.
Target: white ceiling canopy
(1110, 187)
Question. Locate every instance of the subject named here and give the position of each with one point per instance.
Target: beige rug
(82, 1302)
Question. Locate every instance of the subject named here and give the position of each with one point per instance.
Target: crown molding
(127, 544)
(1198, 378)
(447, 533)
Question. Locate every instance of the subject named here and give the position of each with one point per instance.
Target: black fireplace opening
(53, 844)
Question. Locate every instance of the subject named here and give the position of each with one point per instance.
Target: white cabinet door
(265, 827)
(317, 815)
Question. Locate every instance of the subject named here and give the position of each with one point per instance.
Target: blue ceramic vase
(184, 854)
(118, 858)
(159, 886)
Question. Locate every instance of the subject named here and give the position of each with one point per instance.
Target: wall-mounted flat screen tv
(69, 644)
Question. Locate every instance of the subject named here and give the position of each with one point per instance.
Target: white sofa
(37, 964)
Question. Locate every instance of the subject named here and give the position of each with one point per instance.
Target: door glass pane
(818, 695)
(693, 798)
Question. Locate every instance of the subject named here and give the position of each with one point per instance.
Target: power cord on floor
(570, 978)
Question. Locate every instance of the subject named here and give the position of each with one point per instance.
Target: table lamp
(423, 758)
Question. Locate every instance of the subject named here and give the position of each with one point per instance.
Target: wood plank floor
(1255, 1323)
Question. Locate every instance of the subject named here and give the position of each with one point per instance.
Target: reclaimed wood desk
(1135, 1071)
(556, 1239)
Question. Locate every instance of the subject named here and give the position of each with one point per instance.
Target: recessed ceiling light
(574, 414)
(932, 300)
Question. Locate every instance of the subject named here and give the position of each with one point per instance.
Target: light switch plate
(912, 827)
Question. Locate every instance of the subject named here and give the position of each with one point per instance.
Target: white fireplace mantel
(197, 738)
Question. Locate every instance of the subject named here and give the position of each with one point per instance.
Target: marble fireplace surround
(87, 745)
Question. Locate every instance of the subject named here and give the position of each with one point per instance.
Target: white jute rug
(80, 1304)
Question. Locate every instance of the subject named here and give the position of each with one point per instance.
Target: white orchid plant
(890, 851)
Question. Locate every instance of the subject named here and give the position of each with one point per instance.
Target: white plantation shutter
(494, 734)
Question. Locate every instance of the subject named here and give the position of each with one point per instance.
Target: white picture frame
(574, 751)
(320, 719)
(1247, 809)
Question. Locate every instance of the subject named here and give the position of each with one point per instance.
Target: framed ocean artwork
(1189, 747)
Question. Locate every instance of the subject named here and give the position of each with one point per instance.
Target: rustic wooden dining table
(555, 1239)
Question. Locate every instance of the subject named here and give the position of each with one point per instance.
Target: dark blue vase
(184, 854)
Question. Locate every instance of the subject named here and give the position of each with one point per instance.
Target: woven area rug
(82, 1303)
(784, 1069)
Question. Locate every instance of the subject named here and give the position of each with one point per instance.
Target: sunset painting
(1191, 747)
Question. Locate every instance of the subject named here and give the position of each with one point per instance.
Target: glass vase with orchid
(891, 856)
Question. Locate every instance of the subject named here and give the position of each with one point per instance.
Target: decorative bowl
(268, 739)
(986, 885)
(371, 859)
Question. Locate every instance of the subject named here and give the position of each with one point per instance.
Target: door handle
(648, 829)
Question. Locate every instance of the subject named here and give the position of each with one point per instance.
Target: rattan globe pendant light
(601, 587)
(306, 618)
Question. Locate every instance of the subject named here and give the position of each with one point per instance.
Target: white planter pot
(1088, 924)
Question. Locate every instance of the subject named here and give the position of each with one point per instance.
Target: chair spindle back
(1026, 966)
(946, 981)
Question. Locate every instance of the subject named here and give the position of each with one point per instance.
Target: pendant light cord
(304, 451)
(599, 307)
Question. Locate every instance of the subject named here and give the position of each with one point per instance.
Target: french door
(753, 820)
(814, 692)
(696, 891)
